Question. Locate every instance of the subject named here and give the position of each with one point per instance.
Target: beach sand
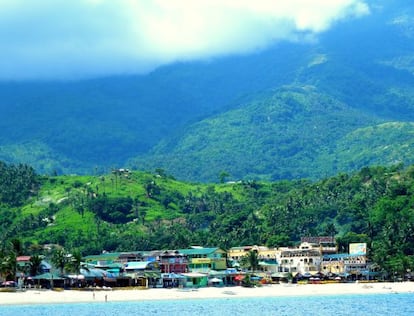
(77, 296)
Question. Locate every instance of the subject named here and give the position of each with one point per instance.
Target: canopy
(76, 276)
(48, 276)
(93, 273)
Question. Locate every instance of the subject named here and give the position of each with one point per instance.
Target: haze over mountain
(333, 92)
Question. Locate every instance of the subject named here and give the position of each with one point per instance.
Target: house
(305, 259)
(23, 265)
(326, 244)
(266, 256)
(353, 265)
(143, 273)
(203, 260)
(172, 261)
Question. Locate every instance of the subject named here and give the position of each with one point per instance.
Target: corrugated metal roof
(200, 251)
(138, 265)
(102, 256)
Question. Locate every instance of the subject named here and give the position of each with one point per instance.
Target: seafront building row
(315, 259)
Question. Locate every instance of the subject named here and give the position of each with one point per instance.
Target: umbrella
(215, 280)
(239, 277)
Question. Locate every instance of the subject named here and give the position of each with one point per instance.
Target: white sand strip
(275, 290)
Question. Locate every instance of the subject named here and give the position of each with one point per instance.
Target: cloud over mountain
(49, 39)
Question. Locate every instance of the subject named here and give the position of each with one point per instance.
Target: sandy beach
(76, 296)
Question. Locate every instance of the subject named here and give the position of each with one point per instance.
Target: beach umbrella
(239, 277)
(215, 281)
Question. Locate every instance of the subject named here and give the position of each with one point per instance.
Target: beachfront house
(327, 244)
(266, 256)
(203, 260)
(305, 259)
(143, 273)
(353, 265)
(172, 261)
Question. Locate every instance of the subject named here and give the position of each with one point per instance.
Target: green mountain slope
(384, 144)
(278, 136)
(127, 211)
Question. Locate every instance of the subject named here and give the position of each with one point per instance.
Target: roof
(194, 275)
(103, 256)
(93, 273)
(115, 265)
(48, 276)
(200, 251)
(342, 256)
(138, 265)
(45, 265)
(23, 258)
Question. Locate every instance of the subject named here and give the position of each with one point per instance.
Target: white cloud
(76, 38)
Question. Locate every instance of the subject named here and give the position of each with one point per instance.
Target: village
(314, 260)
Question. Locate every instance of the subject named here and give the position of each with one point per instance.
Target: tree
(74, 264)
(250, 261)
(35, 262)
(223, 175)
(8, 266)
(60, 259)
(17, 246)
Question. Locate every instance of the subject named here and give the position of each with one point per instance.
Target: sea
(367, 304)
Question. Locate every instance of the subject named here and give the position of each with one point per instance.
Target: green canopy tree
(250, 261)
(35, 262)
(8, 266)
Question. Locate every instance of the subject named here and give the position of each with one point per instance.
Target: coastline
(34, 296)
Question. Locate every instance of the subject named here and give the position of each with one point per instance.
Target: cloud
(49, 39)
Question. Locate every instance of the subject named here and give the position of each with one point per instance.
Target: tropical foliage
(142, 211)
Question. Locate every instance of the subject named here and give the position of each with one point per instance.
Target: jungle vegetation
(130, 210)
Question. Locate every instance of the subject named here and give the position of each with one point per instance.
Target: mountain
(283, 132)
(294, 110)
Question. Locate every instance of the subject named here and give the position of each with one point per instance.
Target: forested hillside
(309, 109)
(289, 133)
(141, 211)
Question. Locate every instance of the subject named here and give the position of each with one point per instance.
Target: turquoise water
(384, 304)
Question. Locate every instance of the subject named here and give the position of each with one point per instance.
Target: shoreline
(34, 296)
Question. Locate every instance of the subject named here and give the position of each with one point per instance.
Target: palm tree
(35, 262)
(17, 246)
(75, 261)
(250, 260)
(60, 259)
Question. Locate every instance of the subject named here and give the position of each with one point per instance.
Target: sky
(72, 39)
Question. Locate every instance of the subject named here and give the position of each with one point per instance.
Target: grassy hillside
(141, 211)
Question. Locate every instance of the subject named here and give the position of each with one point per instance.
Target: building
(143, 273)
(266, 256)
(171, 261)
(305, 259)
(353, 265)
(326, 244)
(204, 260)
(345, 265)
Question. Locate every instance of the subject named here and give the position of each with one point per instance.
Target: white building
(306, 259)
